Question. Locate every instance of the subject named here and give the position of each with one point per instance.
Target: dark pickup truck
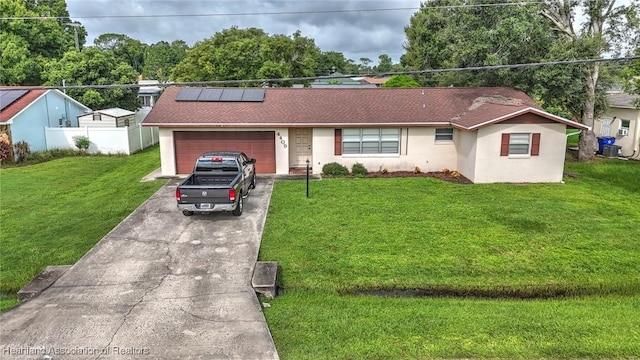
(219, 182)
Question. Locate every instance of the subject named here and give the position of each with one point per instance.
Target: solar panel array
(221, 94)
(8, 97)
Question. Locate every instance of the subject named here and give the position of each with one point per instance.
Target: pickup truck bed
(210, 179)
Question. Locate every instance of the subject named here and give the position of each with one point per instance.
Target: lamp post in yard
(307, 178)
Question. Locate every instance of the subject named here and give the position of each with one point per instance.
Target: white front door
(302, 147)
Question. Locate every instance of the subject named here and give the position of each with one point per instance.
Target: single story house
(25, 113)
(487, 134)
(622, 121)
(113, 117)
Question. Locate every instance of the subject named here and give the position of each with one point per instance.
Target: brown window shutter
(535, 144)
(504, 146)
(338, 142)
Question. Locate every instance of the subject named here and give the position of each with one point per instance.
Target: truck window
(226, 164)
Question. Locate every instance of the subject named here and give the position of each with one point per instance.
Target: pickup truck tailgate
(204, 197)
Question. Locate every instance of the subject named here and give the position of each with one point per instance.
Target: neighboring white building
(622, 121)
(114, 117)
(486, 134)
(149, 92)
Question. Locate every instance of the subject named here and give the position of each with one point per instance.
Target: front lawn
(357, 236)
(54, 212)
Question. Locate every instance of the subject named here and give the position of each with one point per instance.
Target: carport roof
(465, 108)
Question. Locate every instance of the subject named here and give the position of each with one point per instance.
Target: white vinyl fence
(123, 140)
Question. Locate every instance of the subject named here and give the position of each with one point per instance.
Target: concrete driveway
(159, 286)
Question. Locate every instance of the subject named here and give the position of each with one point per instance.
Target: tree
(130, 50)
(303, 56)
(365, 61)
(443, 34)
(28, 43)
(94, 66)
(604, 31)
(162, 57)
(631, 75)
(385, 64)
(401, 81)
(329, 62)
(241, 54)
(232, 54)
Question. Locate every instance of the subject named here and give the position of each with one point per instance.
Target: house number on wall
(282, 141)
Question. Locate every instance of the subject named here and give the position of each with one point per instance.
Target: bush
(358, 170)
(5, 147)
(335, 169)
(44, 156)
(82, 142)
(22, 151)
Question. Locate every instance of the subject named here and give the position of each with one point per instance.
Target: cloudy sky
(333, 24)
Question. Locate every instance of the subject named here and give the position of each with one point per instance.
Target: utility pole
(75, 33)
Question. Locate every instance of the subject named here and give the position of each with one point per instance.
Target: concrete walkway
(159, 286)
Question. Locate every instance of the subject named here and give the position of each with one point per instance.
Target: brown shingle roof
(12, 110)
(461, 107)
(623, 100)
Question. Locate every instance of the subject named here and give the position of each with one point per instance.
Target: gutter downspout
(573, 133)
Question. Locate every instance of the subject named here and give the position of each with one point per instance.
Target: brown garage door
(256, 144)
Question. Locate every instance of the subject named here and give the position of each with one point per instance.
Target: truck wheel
(238, 210)
(253, 182)
(187, 212)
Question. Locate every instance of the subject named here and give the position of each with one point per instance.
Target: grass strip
(310, 325)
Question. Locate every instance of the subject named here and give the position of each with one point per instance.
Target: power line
(309, 12)
(311, 78)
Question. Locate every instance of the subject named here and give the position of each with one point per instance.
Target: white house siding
(417, 148)
(168, 153)
(466, 156)
(106, 121)
(630, 142)
(548, 166)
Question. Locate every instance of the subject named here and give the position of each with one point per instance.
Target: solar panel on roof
(221, 94)
(210, 95)
(189, 94)
(231, 94)
(253, 95)
(8, 97)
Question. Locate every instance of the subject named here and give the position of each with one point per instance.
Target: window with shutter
(520, 144)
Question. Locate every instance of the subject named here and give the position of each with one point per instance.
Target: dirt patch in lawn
(450, 176)
(522, 293)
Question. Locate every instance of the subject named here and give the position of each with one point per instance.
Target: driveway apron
(159, 286)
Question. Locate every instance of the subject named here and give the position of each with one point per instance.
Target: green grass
(575, 239)
(573, 140)
(307, 325)
(54, 212)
